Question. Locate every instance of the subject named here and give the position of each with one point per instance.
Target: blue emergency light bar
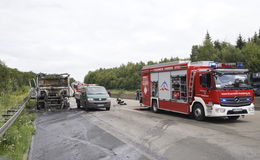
(226, 65)
(240, 64)
(213, 65)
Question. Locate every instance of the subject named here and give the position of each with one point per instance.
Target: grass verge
(117, 91)
(16, 141)
(9, 100)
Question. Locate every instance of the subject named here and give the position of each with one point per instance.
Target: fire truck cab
(203, 89)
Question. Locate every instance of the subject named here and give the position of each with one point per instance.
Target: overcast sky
(57, 36)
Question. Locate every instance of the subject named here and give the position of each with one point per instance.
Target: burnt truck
(53, 91)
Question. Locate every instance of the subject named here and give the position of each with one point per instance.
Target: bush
(17, 139)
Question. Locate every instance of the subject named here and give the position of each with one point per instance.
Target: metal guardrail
(18, 110)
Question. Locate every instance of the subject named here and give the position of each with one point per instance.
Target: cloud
(64, 36)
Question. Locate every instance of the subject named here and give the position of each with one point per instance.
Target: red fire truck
(202, 89)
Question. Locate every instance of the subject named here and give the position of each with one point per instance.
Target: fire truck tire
(198, 112)
(232, 118)
(154, 107)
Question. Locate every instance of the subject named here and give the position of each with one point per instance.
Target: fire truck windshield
(231, 80)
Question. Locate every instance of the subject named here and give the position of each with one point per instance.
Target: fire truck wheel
(233, 117)
(198, 112)
(154, 107)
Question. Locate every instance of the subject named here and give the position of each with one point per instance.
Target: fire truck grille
(235, 101)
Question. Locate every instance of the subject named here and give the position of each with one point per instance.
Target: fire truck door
(164, 90)
(204, 89)
(146, 89)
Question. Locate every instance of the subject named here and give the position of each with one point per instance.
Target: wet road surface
(131, 133)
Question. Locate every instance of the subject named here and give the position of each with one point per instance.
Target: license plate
(237, 109)
(100, 105)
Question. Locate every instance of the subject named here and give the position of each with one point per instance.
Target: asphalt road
(131, 133)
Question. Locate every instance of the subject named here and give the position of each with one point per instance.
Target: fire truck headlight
(209, 108)
(223, 100)
(221, 110)
(251, 109)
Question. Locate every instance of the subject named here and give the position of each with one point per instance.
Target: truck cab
(223, 92)
(94, 97)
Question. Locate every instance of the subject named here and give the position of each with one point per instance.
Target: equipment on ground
(120, 101)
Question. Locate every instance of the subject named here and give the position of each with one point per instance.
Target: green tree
(126, 76)
(255, 37)
(72, 80)
(240, 42)
(13, 80)
(252, 54)
(206, 52)
(232, 54)
(207, 37)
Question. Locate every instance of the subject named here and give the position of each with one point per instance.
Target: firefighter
(137, 94)
(109, 93)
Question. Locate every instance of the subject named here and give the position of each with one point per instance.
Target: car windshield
(225, 80)
(255, 80)
(96, 90)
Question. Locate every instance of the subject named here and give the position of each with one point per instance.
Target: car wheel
(233, 117)
(107, 108)
(198, 112)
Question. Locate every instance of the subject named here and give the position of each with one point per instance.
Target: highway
(129, 132)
